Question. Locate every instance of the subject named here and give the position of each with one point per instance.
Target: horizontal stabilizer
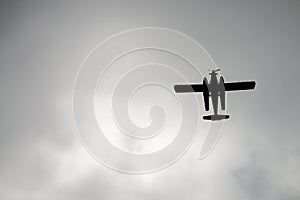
(215, 117)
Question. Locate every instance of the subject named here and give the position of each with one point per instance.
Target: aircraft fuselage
(214, 88)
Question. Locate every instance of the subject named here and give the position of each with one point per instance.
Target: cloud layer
(42, 46)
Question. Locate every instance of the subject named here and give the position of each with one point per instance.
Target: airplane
(214, 88)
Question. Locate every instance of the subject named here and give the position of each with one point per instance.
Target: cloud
(42, 46)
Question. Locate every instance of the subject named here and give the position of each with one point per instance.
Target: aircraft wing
(188, 88)
(245, 85)
(231, 86)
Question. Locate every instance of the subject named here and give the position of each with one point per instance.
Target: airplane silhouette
(214, 88)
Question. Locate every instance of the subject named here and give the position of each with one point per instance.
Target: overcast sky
(42, 45)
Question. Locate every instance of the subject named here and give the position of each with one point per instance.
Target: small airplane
(214, 88)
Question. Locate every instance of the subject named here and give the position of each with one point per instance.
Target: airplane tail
(215, 117)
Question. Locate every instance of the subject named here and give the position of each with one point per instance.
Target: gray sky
(42, 45)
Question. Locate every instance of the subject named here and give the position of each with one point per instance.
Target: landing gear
(206, 94)
(222, 92)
